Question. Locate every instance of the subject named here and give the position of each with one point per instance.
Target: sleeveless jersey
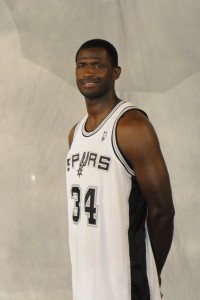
(110, 249)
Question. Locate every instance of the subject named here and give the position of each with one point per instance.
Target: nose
(88, 70)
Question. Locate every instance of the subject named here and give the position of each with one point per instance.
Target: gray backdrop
(159, 51)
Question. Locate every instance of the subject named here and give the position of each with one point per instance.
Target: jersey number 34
(89, 204)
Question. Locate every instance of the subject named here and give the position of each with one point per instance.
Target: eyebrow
(96, 61)
(86, 57)
(92, 62)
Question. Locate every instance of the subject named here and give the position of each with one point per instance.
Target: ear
(116, 72)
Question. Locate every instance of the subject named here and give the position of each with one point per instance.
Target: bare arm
(139, 144)
(71, 135)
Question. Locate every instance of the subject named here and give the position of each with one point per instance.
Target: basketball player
(120, 207)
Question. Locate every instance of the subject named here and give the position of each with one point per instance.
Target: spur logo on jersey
(88, 159)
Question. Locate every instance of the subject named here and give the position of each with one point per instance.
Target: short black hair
(99, 43)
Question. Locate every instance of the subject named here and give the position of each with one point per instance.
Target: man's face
(94, 72)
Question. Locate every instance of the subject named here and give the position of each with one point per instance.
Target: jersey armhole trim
(115, 146)
(75, 131)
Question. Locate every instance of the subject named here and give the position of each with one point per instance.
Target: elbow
(167, 215)
(170, 213)
(162, 215)
(168, 219)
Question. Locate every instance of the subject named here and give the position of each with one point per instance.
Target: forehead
(93, 54)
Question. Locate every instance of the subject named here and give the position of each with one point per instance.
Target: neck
(98, 109)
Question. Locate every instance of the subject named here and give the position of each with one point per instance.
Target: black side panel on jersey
(137, 218)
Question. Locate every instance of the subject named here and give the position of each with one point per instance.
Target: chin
(90, 95)
(93, 94)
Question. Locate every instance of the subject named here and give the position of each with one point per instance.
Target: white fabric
(159, 51)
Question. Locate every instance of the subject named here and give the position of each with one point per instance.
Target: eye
(98, 66)
(80, 66)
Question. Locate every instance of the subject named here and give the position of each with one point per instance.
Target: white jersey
(110, 249)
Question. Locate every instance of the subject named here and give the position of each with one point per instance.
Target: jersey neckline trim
(88, 134)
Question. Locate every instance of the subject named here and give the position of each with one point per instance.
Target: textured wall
(159, 49)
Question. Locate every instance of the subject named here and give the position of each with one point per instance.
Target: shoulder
(136, 136)
(71, 135)
(134, 121)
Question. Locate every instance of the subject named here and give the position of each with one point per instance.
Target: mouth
(89, 82)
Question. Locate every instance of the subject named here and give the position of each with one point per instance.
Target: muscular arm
(139, 144)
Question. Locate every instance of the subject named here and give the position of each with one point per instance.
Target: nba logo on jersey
(104, 136)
